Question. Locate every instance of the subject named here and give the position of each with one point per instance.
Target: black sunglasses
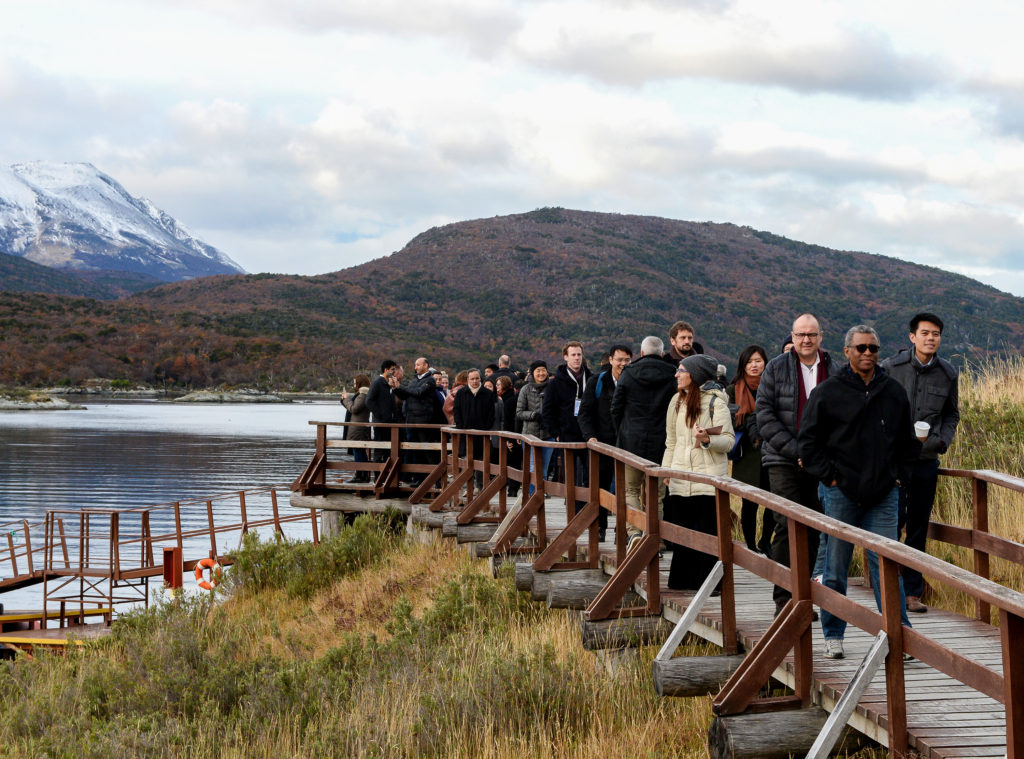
(871, 347)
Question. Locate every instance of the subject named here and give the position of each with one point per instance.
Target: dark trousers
(790, 482)
(917, 496)
(748, 520)
(690, 568)
(606, 479)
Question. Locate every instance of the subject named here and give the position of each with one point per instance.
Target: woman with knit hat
(698, 438)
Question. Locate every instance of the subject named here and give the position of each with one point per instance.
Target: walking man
(932, 386)
(596, 418)
(638, 410)
(561, 405)
(856, 434)
(786, 385)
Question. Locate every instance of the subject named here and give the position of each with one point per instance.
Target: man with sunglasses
(786, 384)
(857, 433)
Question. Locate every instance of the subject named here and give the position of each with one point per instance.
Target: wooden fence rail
(452, 481)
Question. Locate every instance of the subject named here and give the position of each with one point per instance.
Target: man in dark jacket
(382, 404)
(638, 410)
(474, 410)
(596, 417)
(561, 405)
(420, 396)
(681, 343)
(856, 434)
(932, 386)
(786, 385)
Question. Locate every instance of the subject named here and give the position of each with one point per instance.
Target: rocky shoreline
(37, 402)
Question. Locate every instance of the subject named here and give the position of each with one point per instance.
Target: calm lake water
(128, 454)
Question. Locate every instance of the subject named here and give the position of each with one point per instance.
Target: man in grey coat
(786, 384)
(932, 386)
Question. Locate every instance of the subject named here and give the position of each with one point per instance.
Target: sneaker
(633, 542)
(907, 657)
(818, 579)
(834, 648)
(602, 534)
(914, 604)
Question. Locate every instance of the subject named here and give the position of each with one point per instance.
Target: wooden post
(620, 511)
(800, 576)
(321, 451)
(213, 532)
(654, 530)
(979, 497)
(241, 507)
(569, 470)
(730, 642)
(1011, 629)
(593, 549)
(895, 687)
(172, 567)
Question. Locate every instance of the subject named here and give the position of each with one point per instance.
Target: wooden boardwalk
(962, 696)
(945, 718)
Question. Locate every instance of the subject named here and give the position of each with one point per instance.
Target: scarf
(746, 397)
(801, 395)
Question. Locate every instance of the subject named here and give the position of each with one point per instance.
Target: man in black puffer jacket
(638, 409)
(786, 384)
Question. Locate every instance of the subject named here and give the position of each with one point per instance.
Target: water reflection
(124, 455)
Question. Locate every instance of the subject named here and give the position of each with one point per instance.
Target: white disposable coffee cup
(921, 429)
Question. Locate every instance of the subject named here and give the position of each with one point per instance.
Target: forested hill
(521, 284)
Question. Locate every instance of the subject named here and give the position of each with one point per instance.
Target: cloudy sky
(306, 137)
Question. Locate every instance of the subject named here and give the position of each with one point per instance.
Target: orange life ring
(215, 574)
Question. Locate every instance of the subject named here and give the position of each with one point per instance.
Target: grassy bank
(365, 646)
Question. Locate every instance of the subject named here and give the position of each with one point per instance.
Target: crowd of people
(855, 438)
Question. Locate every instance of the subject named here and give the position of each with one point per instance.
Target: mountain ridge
(521, 284)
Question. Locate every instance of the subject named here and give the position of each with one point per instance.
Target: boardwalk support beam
(772, 735)
(692, 610)
(836, 722)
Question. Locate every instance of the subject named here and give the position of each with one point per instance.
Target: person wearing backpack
(596, 418)
(746, 453)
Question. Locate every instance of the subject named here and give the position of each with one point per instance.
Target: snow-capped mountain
(73, 216)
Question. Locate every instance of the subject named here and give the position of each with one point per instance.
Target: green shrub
(300, 568)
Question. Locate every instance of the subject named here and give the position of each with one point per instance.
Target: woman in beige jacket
(698, 438)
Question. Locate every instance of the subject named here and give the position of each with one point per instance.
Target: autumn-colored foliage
(464, 293)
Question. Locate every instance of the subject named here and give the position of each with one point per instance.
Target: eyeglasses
(805, 335)
(870, 347)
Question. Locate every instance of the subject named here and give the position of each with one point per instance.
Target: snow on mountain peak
(72, 215)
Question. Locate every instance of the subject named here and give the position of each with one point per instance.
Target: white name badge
(576, 407)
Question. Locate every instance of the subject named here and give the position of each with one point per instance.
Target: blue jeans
(546, 453)
(879, 519)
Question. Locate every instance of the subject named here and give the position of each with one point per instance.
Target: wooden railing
(791, 629)
(385, 475)
(22, 549)
(103, 557)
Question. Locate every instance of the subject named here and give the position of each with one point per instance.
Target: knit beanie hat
(538, 363)
(701, 368)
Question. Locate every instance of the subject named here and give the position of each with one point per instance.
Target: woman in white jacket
(698, 438)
